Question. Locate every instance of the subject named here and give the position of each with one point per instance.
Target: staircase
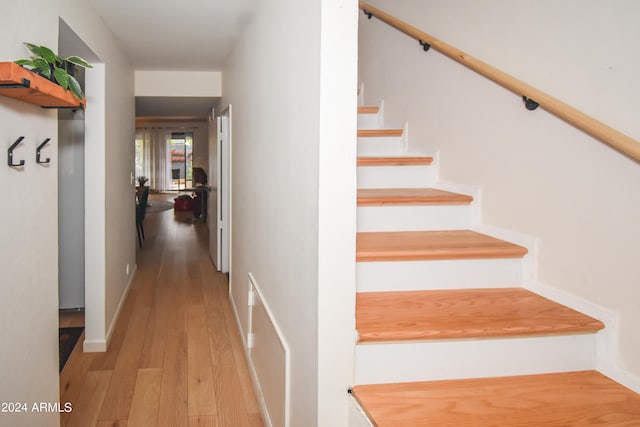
(446, 334)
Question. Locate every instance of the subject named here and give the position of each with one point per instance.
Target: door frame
(220, 222)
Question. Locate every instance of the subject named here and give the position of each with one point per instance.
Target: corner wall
(292, 82)
(538, 175)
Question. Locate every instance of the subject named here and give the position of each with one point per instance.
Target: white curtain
(156, 163)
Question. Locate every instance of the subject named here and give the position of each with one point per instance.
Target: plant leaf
(75, 88)
(43, 66)
(48, 55)
(35, 49)
(62, 77)
(78, 61)
(26, 62)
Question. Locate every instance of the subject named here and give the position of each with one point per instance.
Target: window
(141, 160)
(181, 160)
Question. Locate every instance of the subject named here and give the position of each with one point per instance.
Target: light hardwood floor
(175, 358)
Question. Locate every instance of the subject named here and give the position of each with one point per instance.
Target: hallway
(175, 358)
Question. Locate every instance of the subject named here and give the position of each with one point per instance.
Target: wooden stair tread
(565, 399)
(432, 245)
(368, 110)
(395, 161)
(464, 314)
(379, 132)
(410, 196)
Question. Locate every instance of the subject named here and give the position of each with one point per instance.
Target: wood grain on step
(410, 196)
(432, 245)
(395, 161)
(551, 400)
(379, 132)
(464, 314)
(368, 110)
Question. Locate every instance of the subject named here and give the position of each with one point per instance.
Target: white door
(224, 195)
(213, 201)
(219, 198)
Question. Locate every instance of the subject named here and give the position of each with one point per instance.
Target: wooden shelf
(21, 84)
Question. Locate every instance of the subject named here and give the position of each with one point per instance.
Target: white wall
(29, 238)
(29, 242)
(285, 229)
(337, 209)
(178, 83)
(538, 175)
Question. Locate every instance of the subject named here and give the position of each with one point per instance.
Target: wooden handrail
(621, 142)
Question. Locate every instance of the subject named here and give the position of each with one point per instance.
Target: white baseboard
(627, 379)
(101, 345)
(530, 260)
(94, 346)
(606, 340)
(475, 217)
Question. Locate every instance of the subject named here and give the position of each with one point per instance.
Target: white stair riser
(396, 176)
(410, 218)
(457, 359)
(381, 146)
(378, 276)
(369, 121)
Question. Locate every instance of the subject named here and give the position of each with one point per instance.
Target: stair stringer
(475, 213)
(606, 339)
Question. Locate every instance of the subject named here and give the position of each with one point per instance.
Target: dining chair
(141, 209)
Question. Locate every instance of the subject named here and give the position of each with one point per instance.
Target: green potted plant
(142, 180)
(48, 64)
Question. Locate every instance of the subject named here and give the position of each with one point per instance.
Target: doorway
(71, 272)
(71, 186)
(89, 204)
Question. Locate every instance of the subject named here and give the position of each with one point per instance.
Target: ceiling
(189, 35)
(174, 108)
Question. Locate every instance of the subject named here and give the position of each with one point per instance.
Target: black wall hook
(10, 151)
(369, 14)
(425, 46)
(529, 103)
(40, 147)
